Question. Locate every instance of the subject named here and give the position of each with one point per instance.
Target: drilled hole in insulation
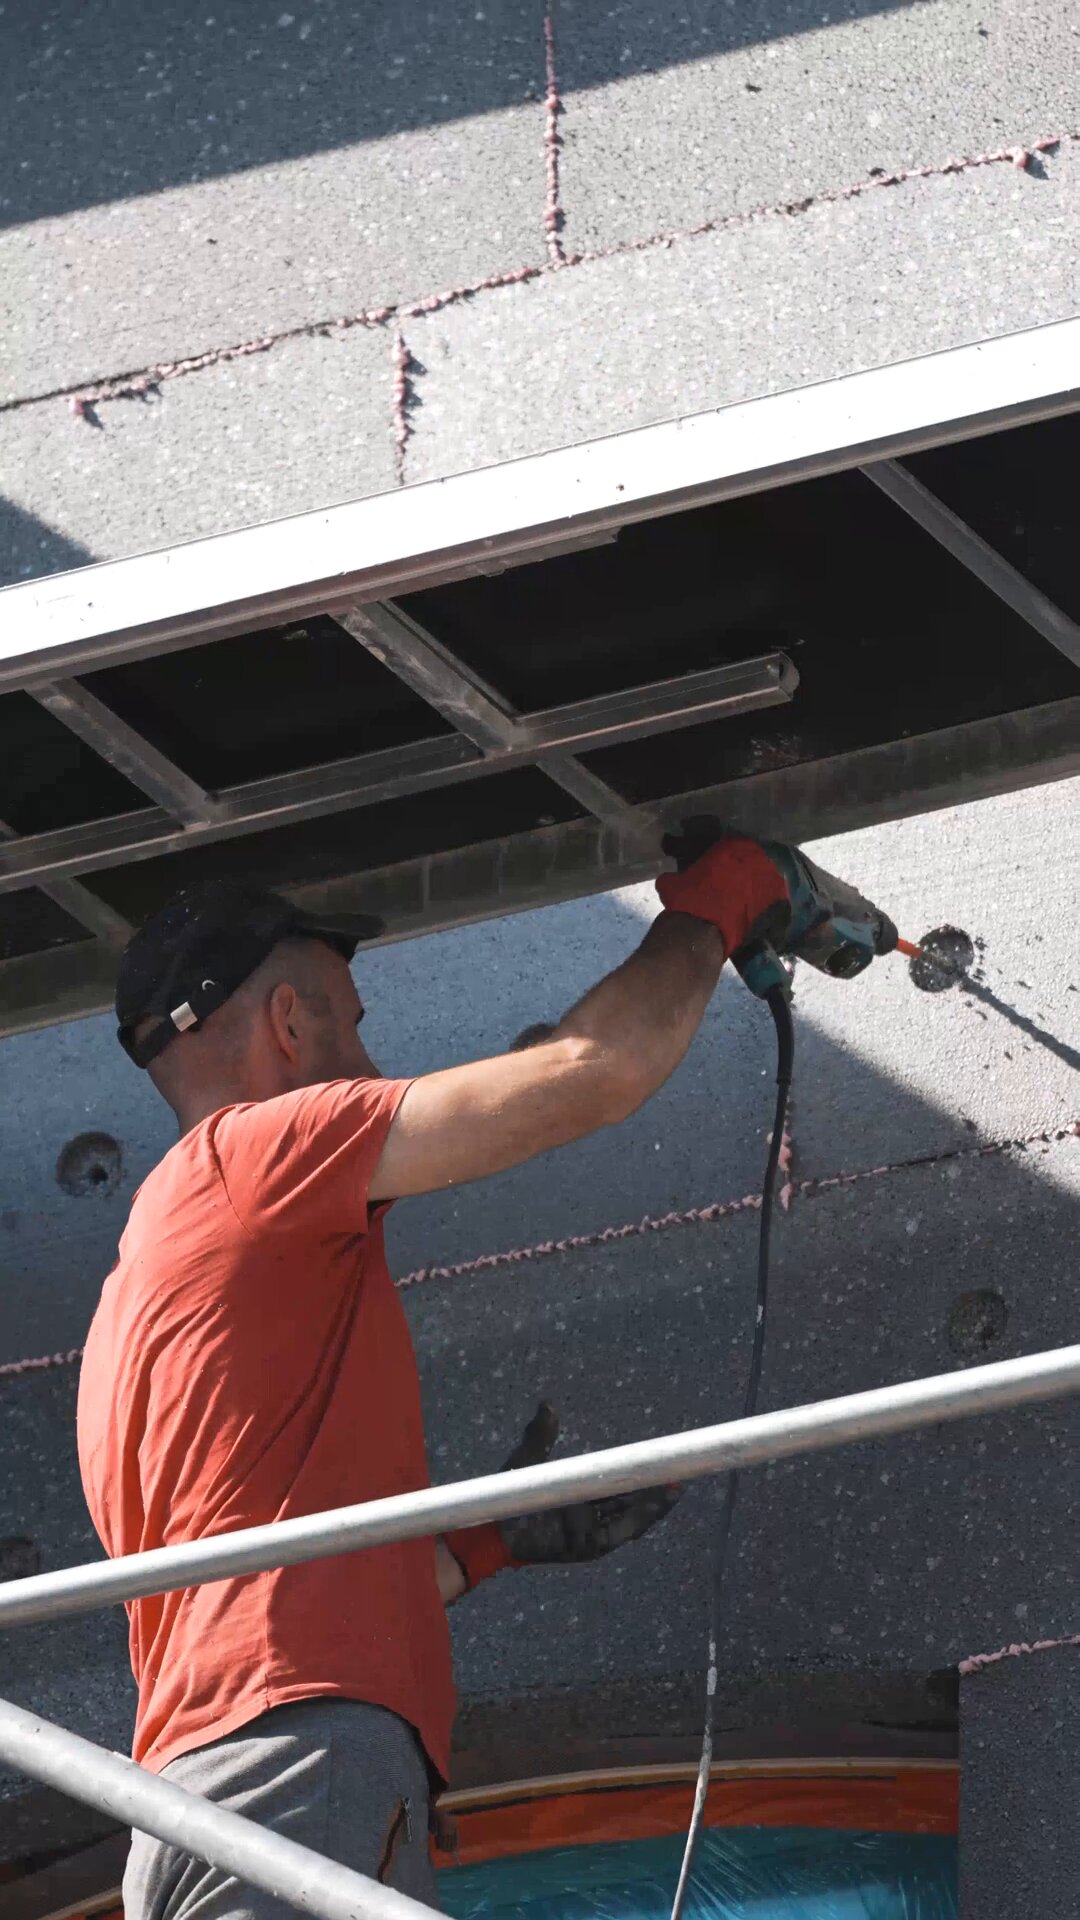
(19, 1557)
(945, 957)
(977, 1322)
(90, 1164)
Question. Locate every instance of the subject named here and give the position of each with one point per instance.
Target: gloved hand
(566, 1535)
(728, 880)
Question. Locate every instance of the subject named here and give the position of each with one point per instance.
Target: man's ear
(283, 1011)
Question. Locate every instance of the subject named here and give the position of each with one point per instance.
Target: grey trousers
(346, 1779)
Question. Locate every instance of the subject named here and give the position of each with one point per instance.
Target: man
(250, 1361)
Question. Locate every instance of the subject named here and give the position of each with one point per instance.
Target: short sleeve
(303, 1162)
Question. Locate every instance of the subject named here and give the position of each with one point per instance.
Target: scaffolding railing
(136, 1797)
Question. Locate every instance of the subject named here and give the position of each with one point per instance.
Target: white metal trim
(400, 541)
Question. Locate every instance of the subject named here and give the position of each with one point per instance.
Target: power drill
(831, 927)
(824, 921)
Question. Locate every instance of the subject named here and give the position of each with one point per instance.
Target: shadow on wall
(28, 547)
(105, 100)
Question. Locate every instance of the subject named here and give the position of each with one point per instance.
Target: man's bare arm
(448, 1573)
(610, 1052)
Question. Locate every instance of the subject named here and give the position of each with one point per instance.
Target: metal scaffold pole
(500, 1496)
(140, 1799)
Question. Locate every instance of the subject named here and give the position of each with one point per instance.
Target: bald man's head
(292, 1023)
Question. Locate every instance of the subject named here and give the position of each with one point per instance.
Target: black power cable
(778, 1006)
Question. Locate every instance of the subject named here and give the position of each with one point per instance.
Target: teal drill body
(830, 926)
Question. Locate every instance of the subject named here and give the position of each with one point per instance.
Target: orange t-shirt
(249, 1361)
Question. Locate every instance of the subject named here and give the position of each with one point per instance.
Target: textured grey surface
(105, 103)
(30, 546)
(215, 182)
(887, 1068)
(77, 1672)
(822, 102)
(1019, 1782)
(776, 304)
(251, 440)
(159, 277)
(146, 105)
(906, 1551)
(250, 175)
(620, 344)
(189, 179)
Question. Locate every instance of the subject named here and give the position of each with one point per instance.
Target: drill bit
(932, 959)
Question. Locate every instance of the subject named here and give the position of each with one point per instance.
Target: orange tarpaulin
(527, 1817)
(908, 1800)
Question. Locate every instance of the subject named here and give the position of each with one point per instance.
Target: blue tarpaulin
(745, 1873)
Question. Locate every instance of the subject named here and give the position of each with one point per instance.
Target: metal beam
(412, 653)
(466, 700)
(253, 807)
(864, 788)
(79, 902)
(313, 792)
(976, 554)
(126, 750)
(586, 787)
(431, 670)
(295, 1875)
(732, 1445)
(448, 529)
(631, 713)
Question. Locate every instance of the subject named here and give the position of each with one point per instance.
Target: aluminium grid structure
(137, 1797)
(352, 563)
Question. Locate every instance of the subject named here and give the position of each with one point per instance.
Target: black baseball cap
(188, 958)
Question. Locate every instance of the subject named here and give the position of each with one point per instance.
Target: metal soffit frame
(491, 738)
(970, 761)
(670, 467)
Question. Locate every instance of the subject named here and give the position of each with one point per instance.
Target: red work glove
(568, 1535)
(727, 880)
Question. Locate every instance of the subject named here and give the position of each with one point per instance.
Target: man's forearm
(645, 1014)
(606, 1056)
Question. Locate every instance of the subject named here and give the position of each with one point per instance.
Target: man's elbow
(612, 1082)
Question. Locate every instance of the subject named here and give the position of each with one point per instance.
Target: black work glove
(570, 1535)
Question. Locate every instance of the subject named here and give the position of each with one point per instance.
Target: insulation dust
(945, 957)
